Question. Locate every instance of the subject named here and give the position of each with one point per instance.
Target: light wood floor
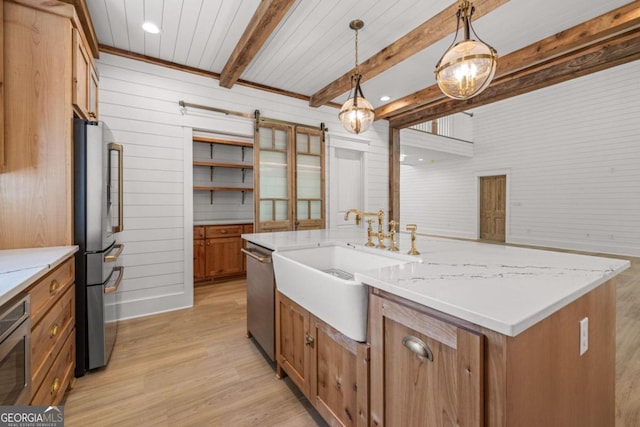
(195, 367)
(192, 367)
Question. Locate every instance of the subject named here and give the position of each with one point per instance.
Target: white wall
(571, 153)
(139, 105)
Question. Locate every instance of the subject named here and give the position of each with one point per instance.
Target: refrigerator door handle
(109, 289)
(112, 258)
(117, 147)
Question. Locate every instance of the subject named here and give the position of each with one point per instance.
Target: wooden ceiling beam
(266, 18)
(610, 23)
(600, 55)
(421, 37)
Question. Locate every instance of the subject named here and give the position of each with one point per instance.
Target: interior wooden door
(493, 190)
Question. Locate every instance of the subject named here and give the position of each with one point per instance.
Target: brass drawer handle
(53, 331)
(418, 346)
(223, 231)
(55, 386)
(54, 286)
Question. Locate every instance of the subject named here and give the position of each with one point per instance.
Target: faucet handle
(412, 228)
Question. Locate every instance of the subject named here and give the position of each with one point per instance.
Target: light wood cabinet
(330, 369)
(223, 256)
(217, 251)
(85, 80)
(36, 180)
(52, 334)
(424, 371)
(199, 259)
(480, 377)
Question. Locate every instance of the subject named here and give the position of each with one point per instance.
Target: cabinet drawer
(55, 383)
(198, 232)
(247, 229)
(223, 231)
(48, 335)
(46, 291)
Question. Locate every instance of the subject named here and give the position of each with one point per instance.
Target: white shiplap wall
(571, 153)
(139, 105)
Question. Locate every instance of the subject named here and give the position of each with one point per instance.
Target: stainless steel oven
(15, 352)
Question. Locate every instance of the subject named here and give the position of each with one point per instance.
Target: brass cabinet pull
(308, 340)
(54, 286)
(118, 147)
(223, 231)
(53, 331)
(111, 258)
(418, 346)
(109, 289)
(55, 386)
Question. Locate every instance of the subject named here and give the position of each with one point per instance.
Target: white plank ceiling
(313, 44)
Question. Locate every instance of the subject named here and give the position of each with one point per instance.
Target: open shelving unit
(212, 163)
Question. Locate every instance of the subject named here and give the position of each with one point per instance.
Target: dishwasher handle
(256, 256)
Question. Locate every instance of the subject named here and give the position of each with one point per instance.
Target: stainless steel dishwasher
(261, 297)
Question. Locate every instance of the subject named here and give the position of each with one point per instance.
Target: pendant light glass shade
(467, 67)
(356, 115)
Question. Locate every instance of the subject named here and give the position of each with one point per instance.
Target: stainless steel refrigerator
(98, 220)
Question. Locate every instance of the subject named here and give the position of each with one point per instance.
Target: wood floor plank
(194, 367)
(190, 367)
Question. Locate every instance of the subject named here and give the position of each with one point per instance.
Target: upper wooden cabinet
(36, 182)
(85, 80)
(290, 173)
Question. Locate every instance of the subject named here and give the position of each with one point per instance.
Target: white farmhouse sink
(320, 279)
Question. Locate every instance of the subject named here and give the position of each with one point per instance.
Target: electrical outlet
(584, 335)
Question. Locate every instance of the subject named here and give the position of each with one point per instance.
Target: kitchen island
(482, 334)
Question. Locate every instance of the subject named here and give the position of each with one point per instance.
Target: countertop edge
(485, 321)
(39, 271)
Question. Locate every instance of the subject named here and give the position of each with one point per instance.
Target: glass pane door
(309, 179)
(274, 188)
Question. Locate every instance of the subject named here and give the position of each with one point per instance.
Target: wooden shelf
(221, 165)
(205, 140)
(211, 188)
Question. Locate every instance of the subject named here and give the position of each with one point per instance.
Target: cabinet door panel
(198, 259)
(292, 341)
(338, 376)
(424, 371)
(418, 391)
(81, 67)
(223, 256)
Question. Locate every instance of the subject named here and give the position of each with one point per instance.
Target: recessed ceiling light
(420, 160)
(150, 27)
(385, 98)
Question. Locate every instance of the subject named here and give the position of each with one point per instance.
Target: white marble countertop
(503, 288)
(19, 268)
(228, 221)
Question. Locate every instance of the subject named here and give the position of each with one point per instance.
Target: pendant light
(356, 114)
(467, 67)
